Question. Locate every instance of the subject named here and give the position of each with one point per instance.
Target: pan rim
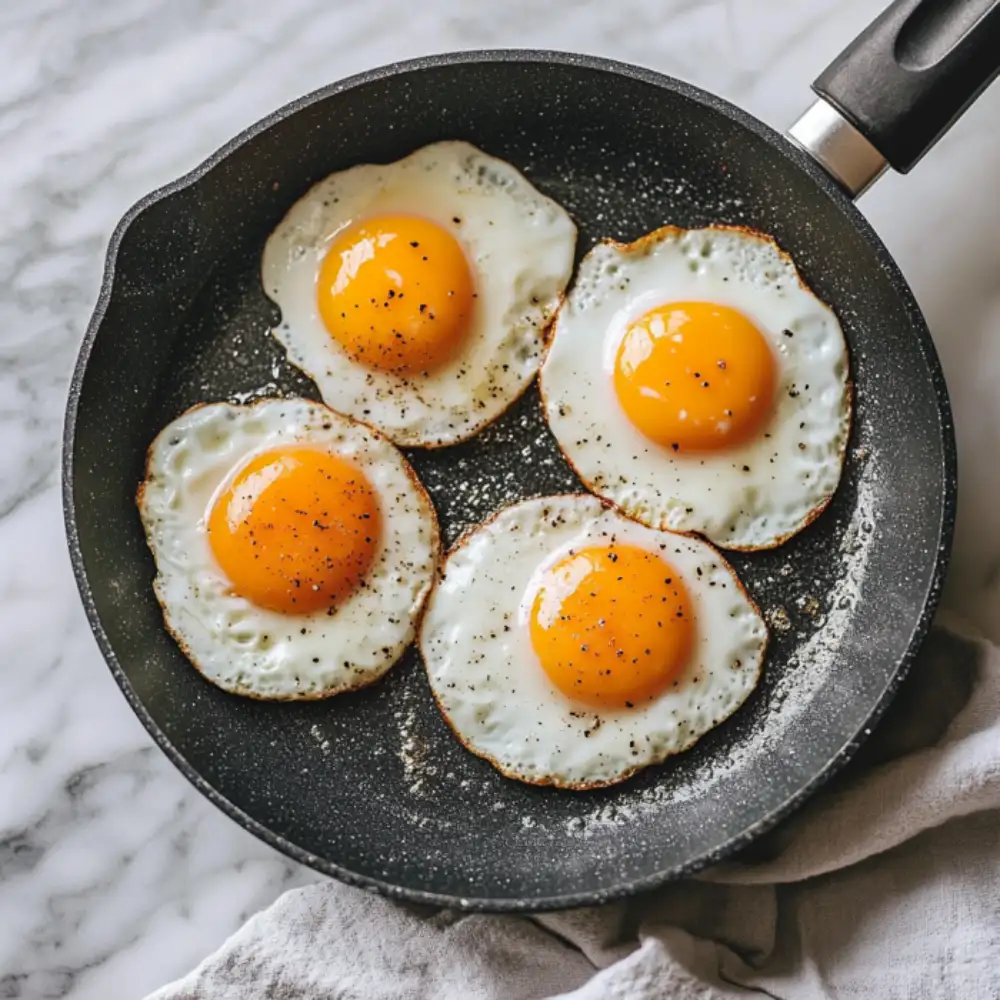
(612, 67)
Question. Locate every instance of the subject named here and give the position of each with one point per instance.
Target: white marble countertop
(115, 876)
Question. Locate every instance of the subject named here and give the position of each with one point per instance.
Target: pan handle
(899, 86)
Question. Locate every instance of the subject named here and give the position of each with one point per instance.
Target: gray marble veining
(115, 876)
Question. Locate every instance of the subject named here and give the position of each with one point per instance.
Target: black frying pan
(372, 787)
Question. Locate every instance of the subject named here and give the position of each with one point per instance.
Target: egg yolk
(296, 530)
(611, 625)
(396, 292)
(693, 376)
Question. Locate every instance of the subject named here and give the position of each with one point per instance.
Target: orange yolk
(612, 625)
(694, 376)
(296, 530)
(396, 292)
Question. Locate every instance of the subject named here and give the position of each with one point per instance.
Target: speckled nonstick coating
(372, 787)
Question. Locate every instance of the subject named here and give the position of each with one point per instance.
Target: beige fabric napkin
(886, 885)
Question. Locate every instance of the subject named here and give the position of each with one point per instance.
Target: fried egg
(415, 294)
(572, 646)
(294, 547)
(695, 382)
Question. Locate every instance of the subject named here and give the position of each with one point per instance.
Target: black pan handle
(908, 77)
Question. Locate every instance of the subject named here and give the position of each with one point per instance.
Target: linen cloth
(884, 886)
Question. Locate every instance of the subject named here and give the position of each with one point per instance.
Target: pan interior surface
(372, 786)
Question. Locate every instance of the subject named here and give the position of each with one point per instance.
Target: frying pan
(372, 787)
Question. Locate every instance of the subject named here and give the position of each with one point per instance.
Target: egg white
(476, 646)
(752, 496)
(520, 244)
(251, 650)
